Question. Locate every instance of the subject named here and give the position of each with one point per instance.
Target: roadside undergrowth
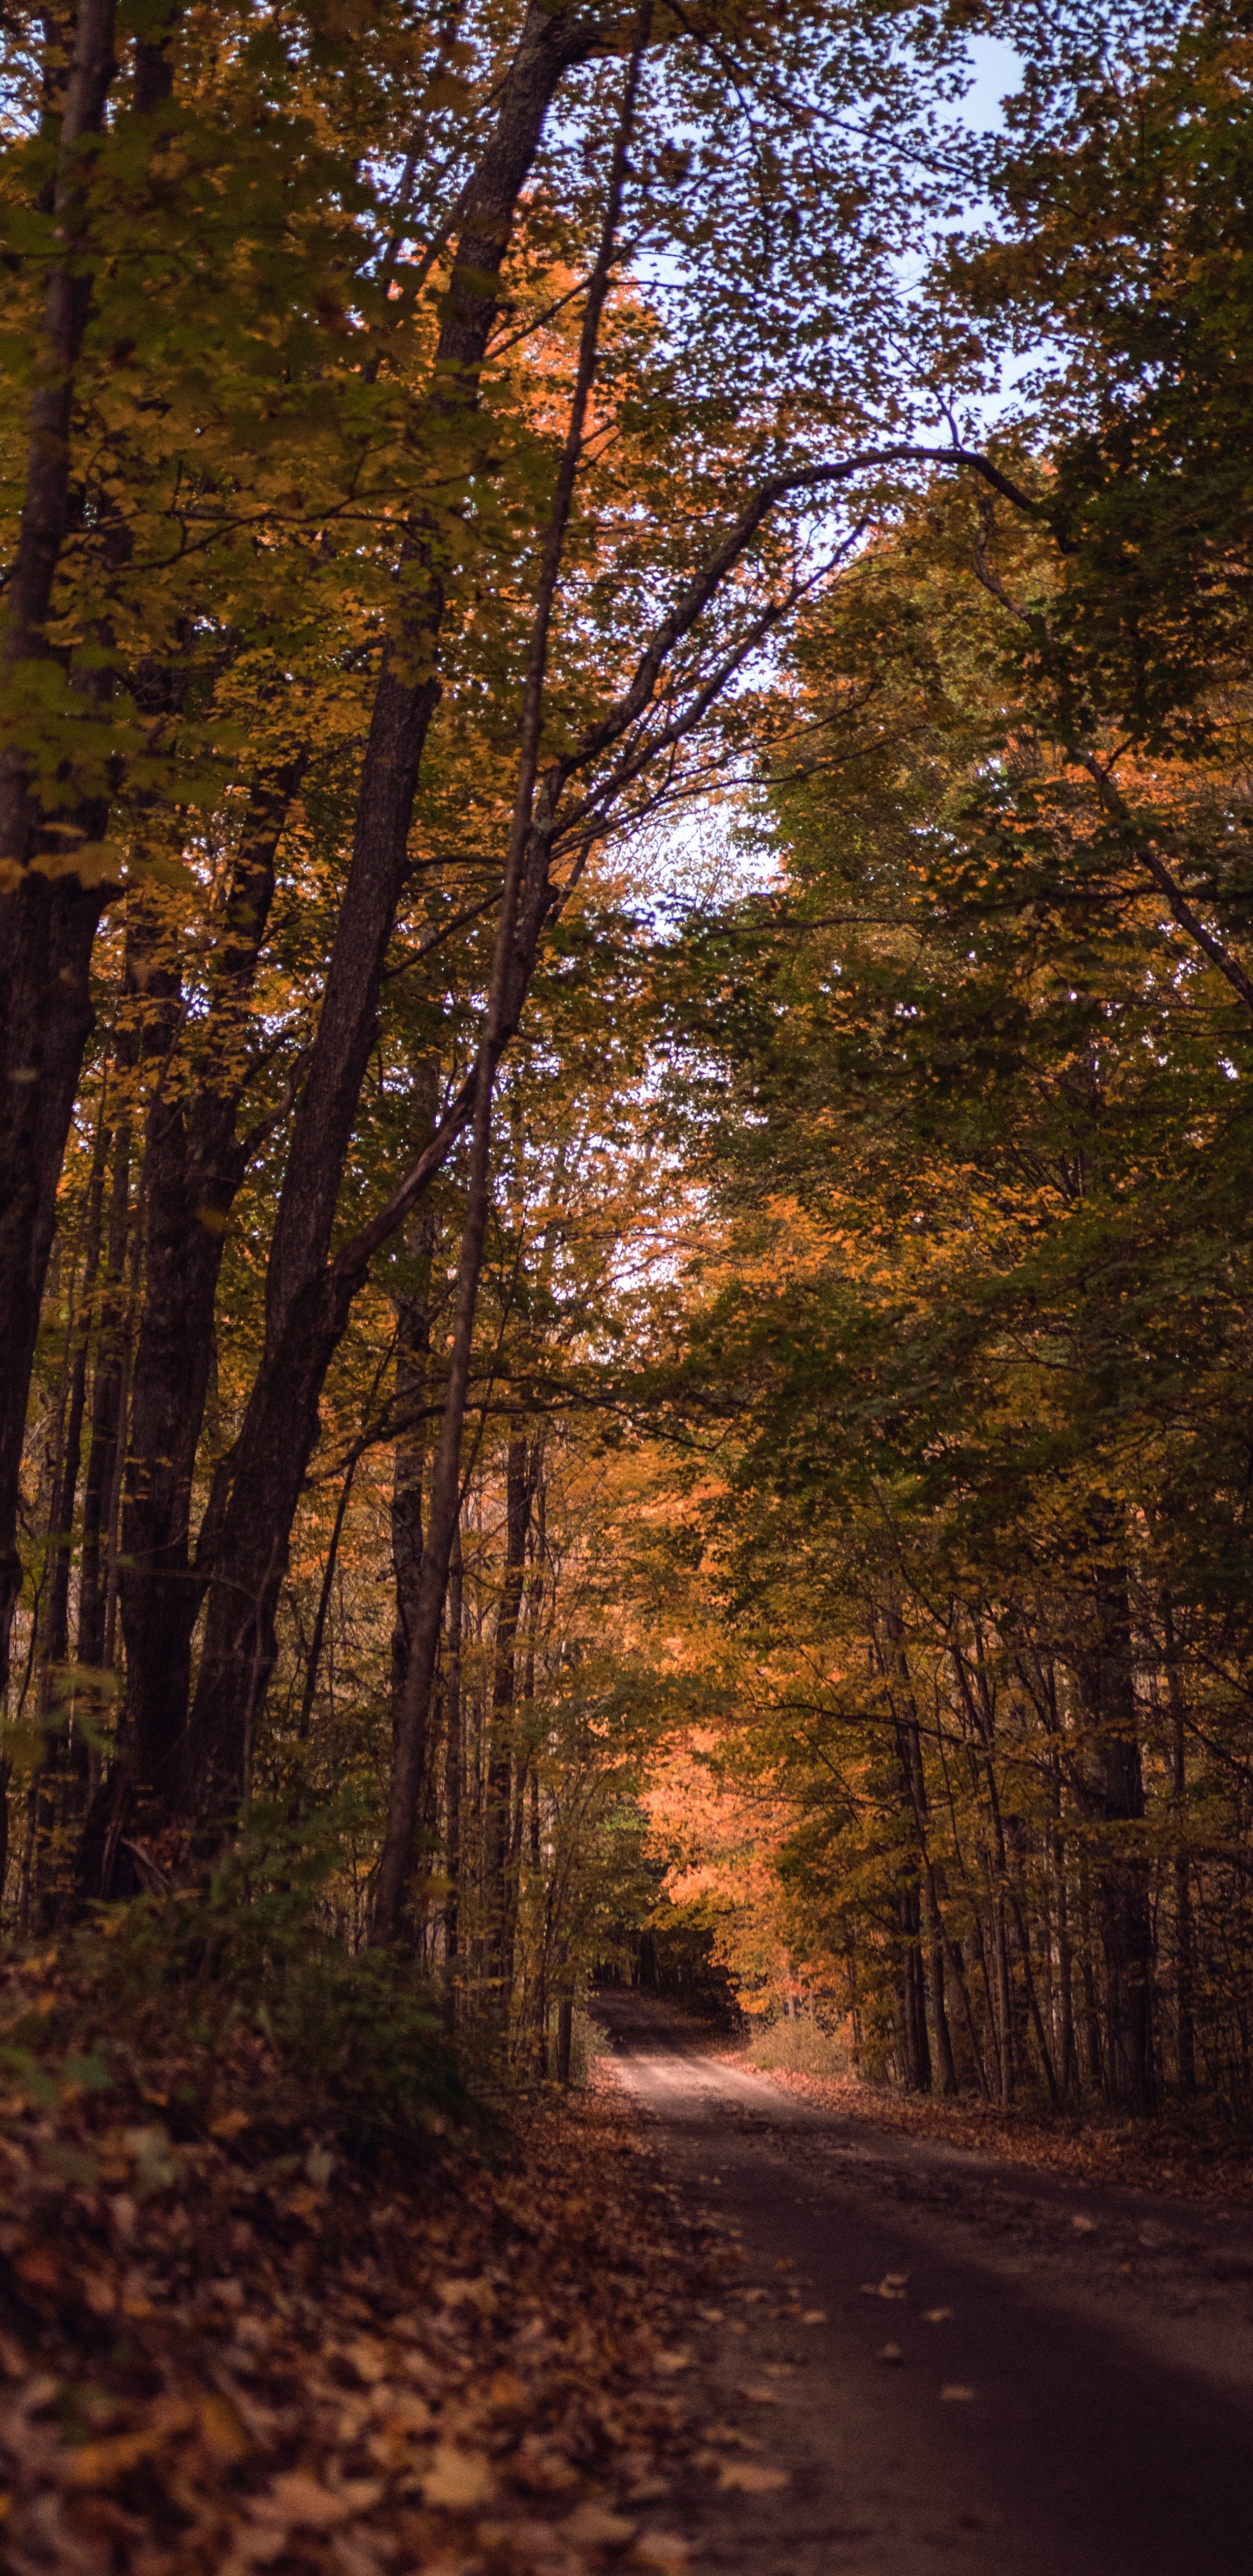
(253, 2315)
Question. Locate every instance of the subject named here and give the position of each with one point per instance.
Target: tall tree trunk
(519, 1489)
(453, 1776)
(1094, 2052)
(47, 920)
(244, 1546)
(194, 1163)
(909, 1752)
(55, 1647)
(322, 1612)
(412, 1309)
(1185, 1972)
(915, 2044)
(1107, 1683)
(106, 1412)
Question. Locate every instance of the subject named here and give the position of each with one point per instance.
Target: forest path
(1102, 2341)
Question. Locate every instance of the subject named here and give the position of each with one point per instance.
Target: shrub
(237, 1990)
(799, 2045)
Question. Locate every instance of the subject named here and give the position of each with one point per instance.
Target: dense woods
(624, 1181)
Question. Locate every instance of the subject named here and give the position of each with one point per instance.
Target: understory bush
(798, 2044)
(233, 1999)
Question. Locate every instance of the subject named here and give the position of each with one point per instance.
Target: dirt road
(957, 2362)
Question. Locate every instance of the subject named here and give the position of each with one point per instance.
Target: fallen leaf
(101, 2464)
(669, 2362)
(38, 2269)
(222, 2429)
(300, 2502)
(660, 2549)
(758, 2396)
(593, 2527)
(814, 2317)
(459, 2479)
(890, 2352)
(936, 2316)
(228, 2124)
(1086, 2226)
(480, 2294)
(750, 2478)
(955, 2390)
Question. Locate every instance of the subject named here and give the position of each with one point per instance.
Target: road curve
(957, 2362)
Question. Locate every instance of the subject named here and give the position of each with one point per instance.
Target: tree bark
(47, 917)
(1185, 1971)
(412, 1309)
(915, 2044)
(524, 902)
(194, 1163)
(55, 1647)
(323, 1609)
(106, 1411)
(243, 1554)
(453, 1766)
(519, 1491)
(1107, 1683)
(909, 1754)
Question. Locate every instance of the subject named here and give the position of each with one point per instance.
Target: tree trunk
(193, 1166)
(322, 1612)
(412, 1310)
(1106, 1679)
(1185, 1974)
(453, 1768)
(915, 2044)
(244, 1548)
(57, 1630)
(909, 1754)
(47, 921)
(106, 1413)
(565, 2037)
(519, 1490)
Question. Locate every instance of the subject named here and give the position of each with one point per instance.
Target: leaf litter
(223, 2352)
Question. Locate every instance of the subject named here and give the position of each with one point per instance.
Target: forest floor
(689, 2319)
(217, 2355)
